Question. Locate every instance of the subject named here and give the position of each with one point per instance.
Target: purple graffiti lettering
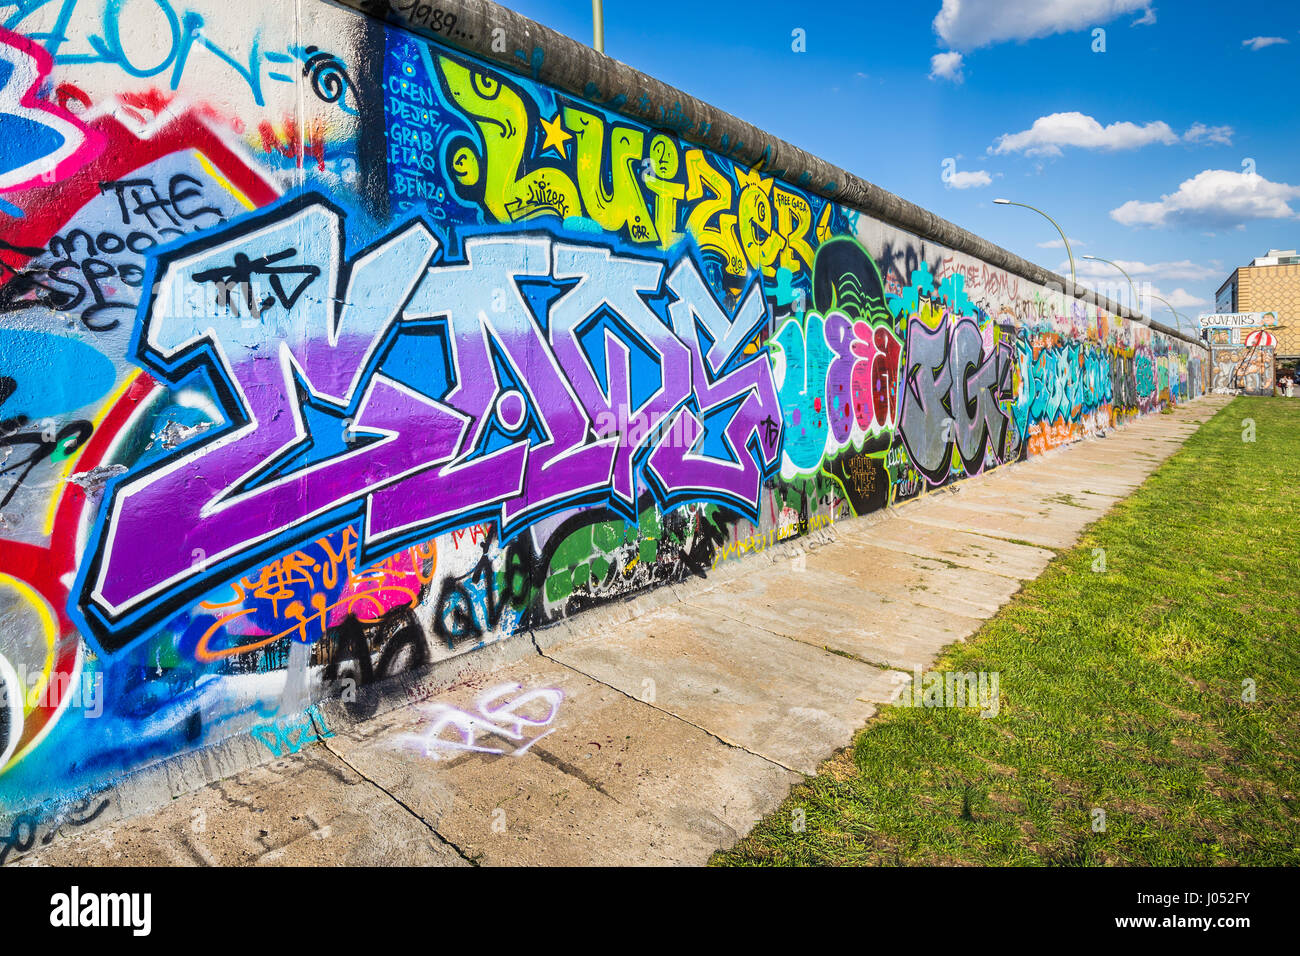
(539, 412)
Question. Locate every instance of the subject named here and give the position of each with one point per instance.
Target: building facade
(1269, 284)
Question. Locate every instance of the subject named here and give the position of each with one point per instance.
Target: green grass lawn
(1120, 691)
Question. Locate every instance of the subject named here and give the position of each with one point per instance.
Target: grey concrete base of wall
(757, 675)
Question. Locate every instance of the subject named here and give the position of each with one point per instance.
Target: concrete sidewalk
(662, 729)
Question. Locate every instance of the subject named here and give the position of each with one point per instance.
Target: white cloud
(1258, 43)
(969, 180)
(1058, 244)
(946, 66)
(1147, 19)
(1213, 197)
(1183, 270)
(1049, 133)
(969, 24)
(1149, 279)
(1199, 132)
(1179, 298)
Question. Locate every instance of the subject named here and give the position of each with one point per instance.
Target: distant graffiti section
(530, 376)
(1067, 389)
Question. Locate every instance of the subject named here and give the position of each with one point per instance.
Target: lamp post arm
(1131, 287)
(1068, 251)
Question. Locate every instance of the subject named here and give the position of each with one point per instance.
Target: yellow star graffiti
(556, 136)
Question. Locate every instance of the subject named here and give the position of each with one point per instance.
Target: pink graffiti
(27, 124)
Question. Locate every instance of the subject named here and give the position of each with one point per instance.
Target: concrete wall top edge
(545, 55)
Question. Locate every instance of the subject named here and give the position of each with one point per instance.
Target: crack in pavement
(401, 803)
(798, 640)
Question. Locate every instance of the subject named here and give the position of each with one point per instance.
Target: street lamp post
(1177, 315)
(598, 25)
(1131, 287)
(1068, 252)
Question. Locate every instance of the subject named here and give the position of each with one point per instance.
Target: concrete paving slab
(1038, 529)
(1103, 495)
(1053, 508)
(895, 635)
(782, 699)
(909, 534)
(608, 780)
(856, 607)
(856, 569)
(307, 810)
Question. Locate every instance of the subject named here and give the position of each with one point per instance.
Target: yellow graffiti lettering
(720, 238)
(502, 121)
(623, 205)
(761, 242)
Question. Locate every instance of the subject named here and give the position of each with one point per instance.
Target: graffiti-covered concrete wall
(329, 350)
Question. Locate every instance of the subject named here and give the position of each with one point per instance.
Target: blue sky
(1142, 152)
